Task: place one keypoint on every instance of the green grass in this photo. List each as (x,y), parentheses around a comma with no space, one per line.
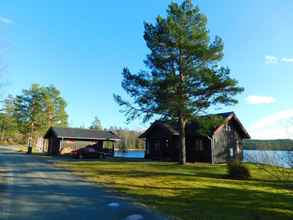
(197,191)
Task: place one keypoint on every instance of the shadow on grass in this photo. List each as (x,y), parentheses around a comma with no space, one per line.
(164,169)
(217,203)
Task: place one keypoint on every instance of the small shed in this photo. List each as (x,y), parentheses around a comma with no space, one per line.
(58,137)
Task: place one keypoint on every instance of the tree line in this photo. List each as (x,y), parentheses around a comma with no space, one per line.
(30,114)
(129,138)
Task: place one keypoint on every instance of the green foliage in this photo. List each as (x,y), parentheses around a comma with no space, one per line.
(39,108)
(96,124)
(129,139)
(184,77)
(54,107)
(8,125)
(238,171)
(207,124)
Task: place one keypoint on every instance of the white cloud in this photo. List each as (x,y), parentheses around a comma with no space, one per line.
(271,59)
(257,100)
(5,20)
(275,60)
(287,60)
(275,126)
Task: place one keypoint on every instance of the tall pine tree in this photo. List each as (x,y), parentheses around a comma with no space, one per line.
(39,108)
(184,77)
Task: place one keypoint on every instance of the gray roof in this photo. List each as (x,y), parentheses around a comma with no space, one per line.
(79,133)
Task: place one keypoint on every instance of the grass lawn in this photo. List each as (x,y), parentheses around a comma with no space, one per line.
(197,191)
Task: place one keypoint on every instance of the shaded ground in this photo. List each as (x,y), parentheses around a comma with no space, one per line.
(197,191)
(31,188)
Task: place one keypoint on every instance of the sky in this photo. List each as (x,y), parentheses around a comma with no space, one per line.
(81,47)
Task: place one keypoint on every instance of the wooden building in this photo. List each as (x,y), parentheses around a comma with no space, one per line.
(60,139)
(222,142)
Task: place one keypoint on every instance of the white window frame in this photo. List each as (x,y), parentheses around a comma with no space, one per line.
(231,152)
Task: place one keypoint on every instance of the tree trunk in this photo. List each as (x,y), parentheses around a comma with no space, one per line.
(2,132)
(2,135)
(182,102)
(182,145)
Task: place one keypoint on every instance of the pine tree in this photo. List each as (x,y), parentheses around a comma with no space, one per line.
(184,77)
(8,126)
(96,124)
(39,108)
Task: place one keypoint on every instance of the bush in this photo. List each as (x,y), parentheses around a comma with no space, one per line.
(236,170)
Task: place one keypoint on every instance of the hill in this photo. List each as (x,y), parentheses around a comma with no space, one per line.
(278,144)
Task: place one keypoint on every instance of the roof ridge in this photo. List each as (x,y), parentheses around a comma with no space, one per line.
(87,129)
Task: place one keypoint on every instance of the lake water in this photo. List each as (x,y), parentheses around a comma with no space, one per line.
(129,154)
(280,158)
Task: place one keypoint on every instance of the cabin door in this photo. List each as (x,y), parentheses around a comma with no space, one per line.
(155,148)
(159,149)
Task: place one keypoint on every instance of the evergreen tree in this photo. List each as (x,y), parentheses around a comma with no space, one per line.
(8,126)
(54,107)
(28,111)
(39,108)
(96,124)
(184,77)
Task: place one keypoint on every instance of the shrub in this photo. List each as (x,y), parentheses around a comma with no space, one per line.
(236,170)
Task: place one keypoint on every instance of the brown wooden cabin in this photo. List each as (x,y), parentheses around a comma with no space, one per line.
(61,138)
(222,144)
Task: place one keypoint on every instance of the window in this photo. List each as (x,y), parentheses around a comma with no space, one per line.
(231,151)
(167,143)
(199,145)
(157,146)
(228,128)
(238,147)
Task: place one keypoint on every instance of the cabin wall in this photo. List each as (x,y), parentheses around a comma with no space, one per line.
(160,145)
(53,145)
(198,149)
(227,144)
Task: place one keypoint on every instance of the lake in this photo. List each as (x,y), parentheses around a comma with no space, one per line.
(271,157)
(129,154)
(279,158)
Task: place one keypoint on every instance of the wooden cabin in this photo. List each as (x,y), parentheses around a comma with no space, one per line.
(62,140)
(221,143)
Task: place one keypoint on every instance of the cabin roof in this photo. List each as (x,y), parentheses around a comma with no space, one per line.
(193,128)
(83,134)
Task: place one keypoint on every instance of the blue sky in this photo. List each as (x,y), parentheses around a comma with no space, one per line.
(82,46)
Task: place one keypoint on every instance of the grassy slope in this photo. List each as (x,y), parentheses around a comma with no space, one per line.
(198,191)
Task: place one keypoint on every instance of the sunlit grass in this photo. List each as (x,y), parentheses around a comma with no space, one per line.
(197,191)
